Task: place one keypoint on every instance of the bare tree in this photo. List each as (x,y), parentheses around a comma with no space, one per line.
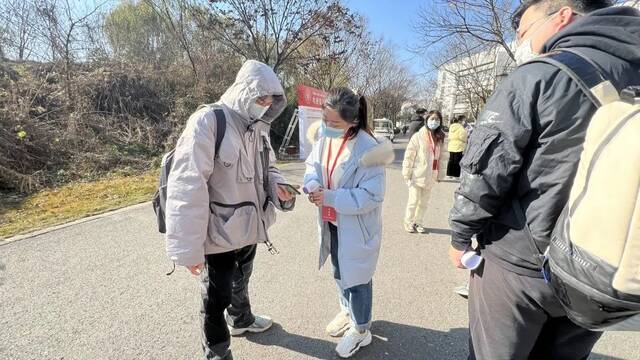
(273,31)
(377,73)
(325,64)
(468,75)
(487,23)
(176,15)
(62,24)
(20,27)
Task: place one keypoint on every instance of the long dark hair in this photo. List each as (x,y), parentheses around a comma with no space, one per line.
(437,133)
(352,109)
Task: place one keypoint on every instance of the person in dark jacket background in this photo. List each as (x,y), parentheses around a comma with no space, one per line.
(518,170)
(417,121)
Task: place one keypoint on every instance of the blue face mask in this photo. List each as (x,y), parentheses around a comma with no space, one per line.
(331,132)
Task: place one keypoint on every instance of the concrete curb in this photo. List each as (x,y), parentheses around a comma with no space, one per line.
(72,223)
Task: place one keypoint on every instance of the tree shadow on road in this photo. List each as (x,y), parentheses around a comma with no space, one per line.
(278,336)
(603,357)
(439,231)
(391,341)
(400,341)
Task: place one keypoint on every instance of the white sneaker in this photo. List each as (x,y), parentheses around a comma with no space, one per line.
(339,325)
(462,290)
(353,341)
(411,229)
(261,324)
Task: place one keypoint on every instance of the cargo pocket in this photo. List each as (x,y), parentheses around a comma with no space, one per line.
(233,225)
(481,141)
(246,168)
(228,155)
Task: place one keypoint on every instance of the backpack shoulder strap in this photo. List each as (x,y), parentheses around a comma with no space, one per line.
(586,75)
(221,123)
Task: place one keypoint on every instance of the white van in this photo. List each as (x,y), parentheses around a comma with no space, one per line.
(383,128)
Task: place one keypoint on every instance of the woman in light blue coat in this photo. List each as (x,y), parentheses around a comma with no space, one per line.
(345,178)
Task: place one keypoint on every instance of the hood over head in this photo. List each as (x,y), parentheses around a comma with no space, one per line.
(613,30)
(254,80)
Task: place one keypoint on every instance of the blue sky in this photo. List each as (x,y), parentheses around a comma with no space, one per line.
(393,19)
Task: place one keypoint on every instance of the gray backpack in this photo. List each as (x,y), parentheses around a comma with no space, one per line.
(160,197)
(593,261)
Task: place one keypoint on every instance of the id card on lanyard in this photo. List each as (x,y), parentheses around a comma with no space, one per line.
(328,212)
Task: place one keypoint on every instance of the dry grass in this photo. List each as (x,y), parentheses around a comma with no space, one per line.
(73,201)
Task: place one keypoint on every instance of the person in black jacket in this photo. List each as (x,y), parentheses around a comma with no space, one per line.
(417,121)
(518,170)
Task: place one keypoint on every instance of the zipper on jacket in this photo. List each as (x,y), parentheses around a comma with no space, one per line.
(270,247)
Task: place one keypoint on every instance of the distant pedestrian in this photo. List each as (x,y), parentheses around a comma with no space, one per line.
(417,121)
(457,144)
(420,170)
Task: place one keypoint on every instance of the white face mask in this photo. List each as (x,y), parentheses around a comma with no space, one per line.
(524,53)
(433,124)
(256,111)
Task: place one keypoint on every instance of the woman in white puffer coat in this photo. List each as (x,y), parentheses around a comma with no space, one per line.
(420,170)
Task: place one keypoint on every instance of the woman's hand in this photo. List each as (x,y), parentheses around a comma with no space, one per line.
(317,198)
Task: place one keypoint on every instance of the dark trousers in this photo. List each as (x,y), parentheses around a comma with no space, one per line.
(453,166)
(518,317)
(225,286)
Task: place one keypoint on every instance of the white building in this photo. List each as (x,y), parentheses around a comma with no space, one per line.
(464,84)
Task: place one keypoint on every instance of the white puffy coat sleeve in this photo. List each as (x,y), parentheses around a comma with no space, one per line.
(187,209)
(410,158)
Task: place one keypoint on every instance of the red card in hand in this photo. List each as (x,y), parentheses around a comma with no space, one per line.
(329,214)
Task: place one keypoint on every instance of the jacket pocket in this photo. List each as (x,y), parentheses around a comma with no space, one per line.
(233,225)
(478,154)
(363,228)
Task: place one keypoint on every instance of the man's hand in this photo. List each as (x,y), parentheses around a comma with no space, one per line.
(284,195)
(196,270)
(456,257)
(317,198)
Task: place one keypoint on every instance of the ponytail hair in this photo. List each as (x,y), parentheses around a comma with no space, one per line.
(352,109)
(363,120)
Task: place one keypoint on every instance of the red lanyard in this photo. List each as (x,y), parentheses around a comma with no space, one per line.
(432,143)
(335,161)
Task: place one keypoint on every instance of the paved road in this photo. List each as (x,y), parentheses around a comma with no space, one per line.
(98,290)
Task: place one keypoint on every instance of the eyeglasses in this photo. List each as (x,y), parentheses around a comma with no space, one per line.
(520,33)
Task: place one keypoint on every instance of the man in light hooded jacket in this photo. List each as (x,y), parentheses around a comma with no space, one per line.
(219,206)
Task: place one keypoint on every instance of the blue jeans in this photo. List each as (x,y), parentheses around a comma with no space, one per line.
(357,301)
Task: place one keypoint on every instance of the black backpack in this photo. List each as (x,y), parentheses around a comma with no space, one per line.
(160,197)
